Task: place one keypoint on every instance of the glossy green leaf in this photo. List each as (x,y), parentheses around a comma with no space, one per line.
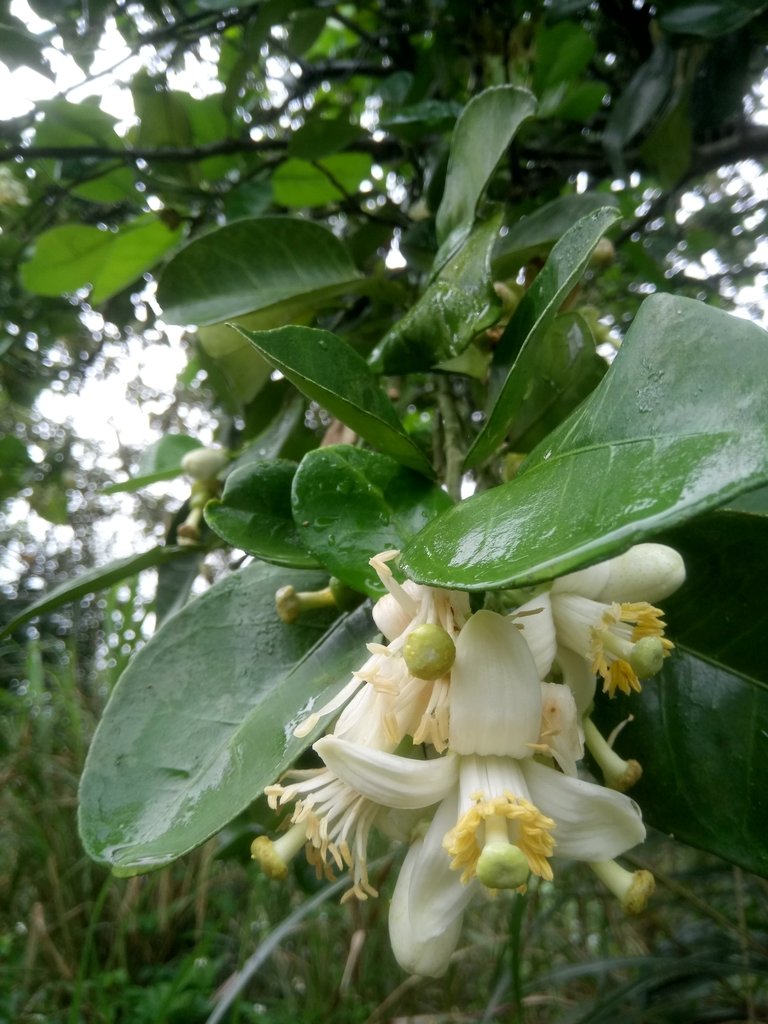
(349,504)
(201,720)
(517,353)
(485,128)
(252,265)
(161,460)
(298,183)
(92,581)
(535,233)
(677,426)
(254,513)
(700,729)
(75,255)
(327,370)
(458,304)
(565,368)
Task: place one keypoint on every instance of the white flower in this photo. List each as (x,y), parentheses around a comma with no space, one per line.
(603,615)
(501,814)
(417,707)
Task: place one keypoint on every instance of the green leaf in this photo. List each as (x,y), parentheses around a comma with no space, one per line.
(414,121)
(458,304)
(565,369)
(711,19)
(243,371)
(640,101)
(535,233)
(298,183)
(349,504)
(159,461)
(15,463)
(699,729)
(75,124)
(254,513)
(92,581)
(517,353)
(328,371)
(75,255)
(201,720)
(677,426)
(485,128)
(19,47)
(321,136)
(252,265)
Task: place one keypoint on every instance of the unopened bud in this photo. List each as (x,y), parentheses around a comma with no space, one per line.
(603,254)
(429,651)
(204,463)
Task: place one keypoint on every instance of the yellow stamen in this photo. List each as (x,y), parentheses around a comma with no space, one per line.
(622,626)
(529,831)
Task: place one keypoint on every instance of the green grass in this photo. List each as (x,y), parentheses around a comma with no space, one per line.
(77,945)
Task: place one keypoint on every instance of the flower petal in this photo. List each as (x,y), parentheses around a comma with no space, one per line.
(646,572)
(538,629)
(592,823)
(495,698)
(389,779)
(428,903)
(578,677)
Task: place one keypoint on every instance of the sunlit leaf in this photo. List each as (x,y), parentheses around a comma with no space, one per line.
(76,255)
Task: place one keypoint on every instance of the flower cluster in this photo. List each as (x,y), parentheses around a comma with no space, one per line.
(462,735)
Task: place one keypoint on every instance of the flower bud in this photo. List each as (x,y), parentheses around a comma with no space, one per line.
(429,651)
(204,463)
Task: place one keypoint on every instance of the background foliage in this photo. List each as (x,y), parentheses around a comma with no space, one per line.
(430,225)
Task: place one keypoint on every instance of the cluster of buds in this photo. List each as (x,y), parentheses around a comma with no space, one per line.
(462,734)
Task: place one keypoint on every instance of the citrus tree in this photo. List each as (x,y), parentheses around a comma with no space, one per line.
(454,282)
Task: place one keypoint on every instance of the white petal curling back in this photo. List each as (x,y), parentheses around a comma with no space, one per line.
(592,823)
(646,572)
(389,779)
(495,699)
(428,903)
